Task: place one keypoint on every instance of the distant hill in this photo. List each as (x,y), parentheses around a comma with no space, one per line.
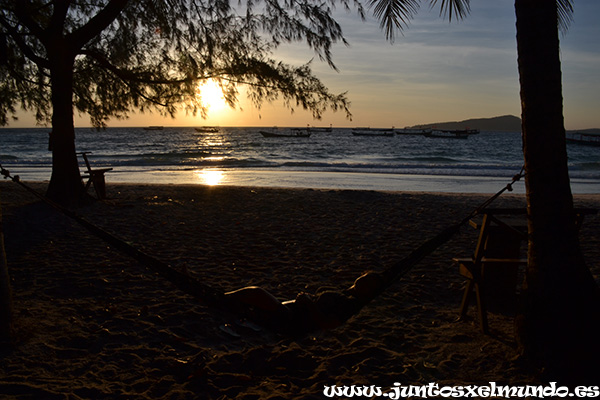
(505,123)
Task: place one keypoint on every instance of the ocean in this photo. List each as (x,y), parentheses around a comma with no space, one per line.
(482,163)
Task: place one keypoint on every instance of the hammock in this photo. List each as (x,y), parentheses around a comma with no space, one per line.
(216,299)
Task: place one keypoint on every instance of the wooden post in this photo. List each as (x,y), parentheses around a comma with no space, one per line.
(5,292)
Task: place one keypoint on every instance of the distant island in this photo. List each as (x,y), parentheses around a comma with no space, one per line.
(505,123)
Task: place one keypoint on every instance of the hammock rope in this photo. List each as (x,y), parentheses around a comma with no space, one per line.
(395,271)
(201,291)
(216,299)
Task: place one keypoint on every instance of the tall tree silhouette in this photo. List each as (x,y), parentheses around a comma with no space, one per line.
(108,57)
(558,325)
(5,293)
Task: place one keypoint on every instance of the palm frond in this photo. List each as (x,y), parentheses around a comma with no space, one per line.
(394,14)
(455,8)
(565,14)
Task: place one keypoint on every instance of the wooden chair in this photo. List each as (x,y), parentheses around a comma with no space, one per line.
(493,269)
(94,176)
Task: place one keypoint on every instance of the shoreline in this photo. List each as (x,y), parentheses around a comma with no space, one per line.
(266,178)
(94,323)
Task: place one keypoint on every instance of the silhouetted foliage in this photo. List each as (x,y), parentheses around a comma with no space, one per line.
(145,55)
(106,58)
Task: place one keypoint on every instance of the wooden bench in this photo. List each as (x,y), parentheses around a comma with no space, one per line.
(492,271)
(94,176)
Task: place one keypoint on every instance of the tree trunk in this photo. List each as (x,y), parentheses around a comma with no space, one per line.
(65,185)
(557,327)
(5,293)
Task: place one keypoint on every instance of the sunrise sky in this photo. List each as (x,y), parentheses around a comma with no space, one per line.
(435,71)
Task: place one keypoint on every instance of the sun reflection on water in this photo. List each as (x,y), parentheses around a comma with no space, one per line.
(214,158)
(210,177)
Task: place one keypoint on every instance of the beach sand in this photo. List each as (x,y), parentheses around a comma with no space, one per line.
(94,323)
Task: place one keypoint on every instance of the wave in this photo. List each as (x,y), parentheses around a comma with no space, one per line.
(166,162)
(433,159)
(594,165)
(380,168)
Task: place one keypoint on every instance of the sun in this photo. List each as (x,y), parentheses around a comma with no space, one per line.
(211,96)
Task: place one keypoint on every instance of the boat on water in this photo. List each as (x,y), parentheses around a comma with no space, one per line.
(451,133)
(296,132)
(465,131)
(373,132)
(411,131)
(589,139)
(321,128)
(154,128)
(207,129)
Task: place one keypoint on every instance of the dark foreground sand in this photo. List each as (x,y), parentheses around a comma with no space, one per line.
(93,323)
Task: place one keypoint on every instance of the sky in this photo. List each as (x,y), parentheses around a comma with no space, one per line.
(435,71)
